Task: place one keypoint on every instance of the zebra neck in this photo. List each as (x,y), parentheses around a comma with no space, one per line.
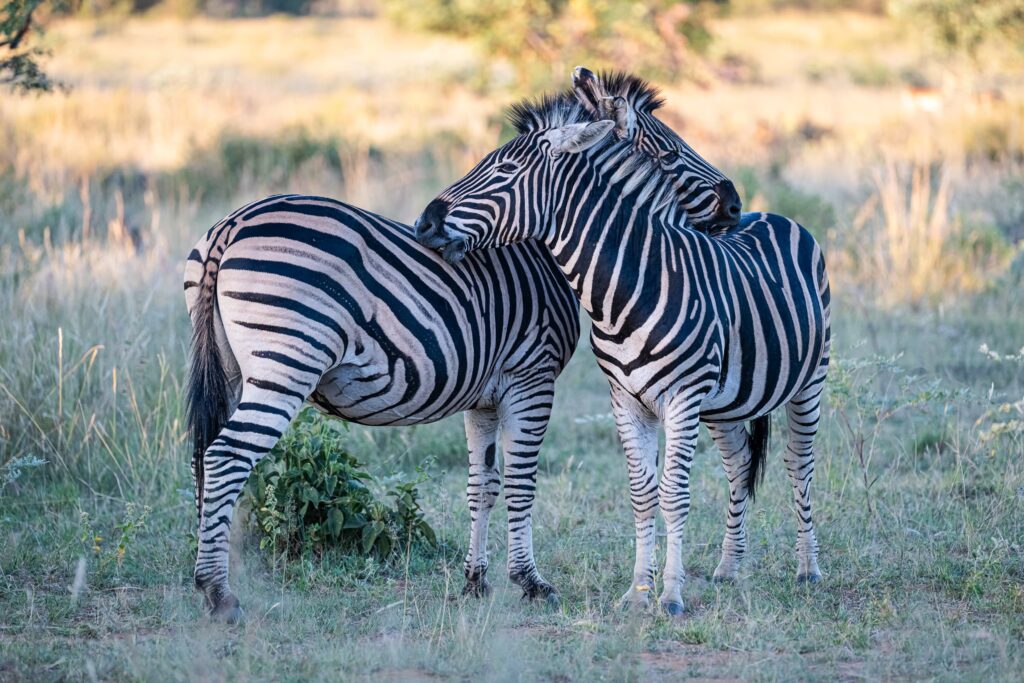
(612,248)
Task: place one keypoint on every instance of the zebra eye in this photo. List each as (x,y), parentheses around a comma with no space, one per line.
(669,158)
(507,167)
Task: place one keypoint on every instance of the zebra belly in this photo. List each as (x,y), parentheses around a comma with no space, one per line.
(370,389)
(746,395)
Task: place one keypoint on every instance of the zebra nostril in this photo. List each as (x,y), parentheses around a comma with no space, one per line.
(423,226)
(730,205)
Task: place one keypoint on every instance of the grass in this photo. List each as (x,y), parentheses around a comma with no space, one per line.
(919,491)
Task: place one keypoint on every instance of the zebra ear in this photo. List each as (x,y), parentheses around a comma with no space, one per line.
(591,93)
(578,137)
(589,90)
(618,110)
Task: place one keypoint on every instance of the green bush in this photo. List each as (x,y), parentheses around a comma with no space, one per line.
(309,494)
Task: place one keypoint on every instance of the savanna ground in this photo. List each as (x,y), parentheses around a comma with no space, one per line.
(916,194)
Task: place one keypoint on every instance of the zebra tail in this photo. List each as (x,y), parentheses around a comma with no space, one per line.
(208,394)
(760,435)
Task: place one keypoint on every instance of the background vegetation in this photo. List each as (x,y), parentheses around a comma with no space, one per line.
(899,146)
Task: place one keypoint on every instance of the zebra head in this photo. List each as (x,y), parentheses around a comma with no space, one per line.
(506,198)
(710,199)
(519,191)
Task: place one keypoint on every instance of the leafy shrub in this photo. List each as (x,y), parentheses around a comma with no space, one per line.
(309,493)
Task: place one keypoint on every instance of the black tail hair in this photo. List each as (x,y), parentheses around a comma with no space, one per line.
(760,435)
(208,392)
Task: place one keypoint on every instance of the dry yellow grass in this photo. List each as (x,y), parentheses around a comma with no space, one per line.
(149,95)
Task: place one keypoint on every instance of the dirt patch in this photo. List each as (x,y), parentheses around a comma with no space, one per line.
(403,676)
(694,662)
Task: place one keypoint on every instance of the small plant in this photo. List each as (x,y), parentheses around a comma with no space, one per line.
(310,494)
(127,531)
(13,468)
(866,394)
(1004,422)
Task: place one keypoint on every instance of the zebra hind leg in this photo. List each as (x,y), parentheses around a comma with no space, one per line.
(257,423)
(524,422)
(803,413)
(734,445)
(481,494)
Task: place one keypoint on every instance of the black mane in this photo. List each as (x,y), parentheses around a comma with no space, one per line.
(644,97)
(558,109)
(550,110)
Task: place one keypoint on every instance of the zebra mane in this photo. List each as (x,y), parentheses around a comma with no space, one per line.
(547,111)
(641,94)
(552,110)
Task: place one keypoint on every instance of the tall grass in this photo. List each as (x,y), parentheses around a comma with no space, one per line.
(912,245)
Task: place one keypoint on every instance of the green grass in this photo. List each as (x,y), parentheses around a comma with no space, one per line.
(928,587)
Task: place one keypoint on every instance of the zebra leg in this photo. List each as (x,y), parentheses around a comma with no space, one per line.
(525,414)
(481,493)
(803,413)
(682,424)
(638,431)
(734,445)
(252,430)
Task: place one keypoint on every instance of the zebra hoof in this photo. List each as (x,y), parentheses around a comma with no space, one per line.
(545,592)
(635,600)
(808,578)
(723,579)
(228,611)
(477,588)
(673,609)
(534,587)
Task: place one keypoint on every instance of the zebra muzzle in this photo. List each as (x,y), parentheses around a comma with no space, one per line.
(430,232)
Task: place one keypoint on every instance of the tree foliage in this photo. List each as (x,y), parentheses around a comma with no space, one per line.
(542,39)
(965,25)
(19,58)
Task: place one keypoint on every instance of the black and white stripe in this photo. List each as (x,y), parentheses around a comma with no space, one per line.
(687,327)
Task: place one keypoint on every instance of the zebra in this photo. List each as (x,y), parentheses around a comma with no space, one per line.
(687,328)
(296,298)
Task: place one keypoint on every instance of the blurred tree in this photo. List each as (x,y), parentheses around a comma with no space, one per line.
(543,39)
(19,58)
(965,25)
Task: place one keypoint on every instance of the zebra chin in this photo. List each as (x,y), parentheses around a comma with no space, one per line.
(433,234)
(451,249)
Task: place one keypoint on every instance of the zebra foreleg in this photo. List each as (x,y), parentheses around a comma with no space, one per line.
(734,445)
(481,493)
(638,431)
(682,424)
(252,430)
(803,413)
(524,422)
